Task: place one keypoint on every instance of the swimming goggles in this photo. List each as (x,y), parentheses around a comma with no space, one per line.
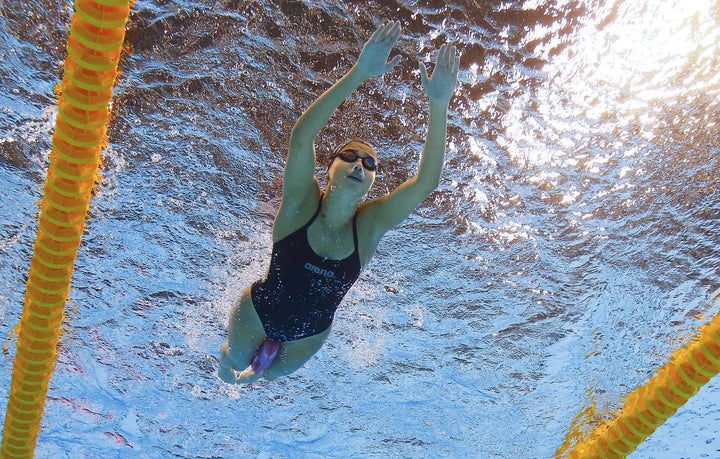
(350,156)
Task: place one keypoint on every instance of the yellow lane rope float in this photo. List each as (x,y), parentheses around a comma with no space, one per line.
(646,408)
(97,32)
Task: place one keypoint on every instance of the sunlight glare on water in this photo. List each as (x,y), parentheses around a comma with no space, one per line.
(625,56)
(647,45)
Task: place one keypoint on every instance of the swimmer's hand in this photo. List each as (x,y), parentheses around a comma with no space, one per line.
(373,60)
(440,86)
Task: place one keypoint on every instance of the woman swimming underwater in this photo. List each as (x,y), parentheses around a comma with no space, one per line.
(323,239)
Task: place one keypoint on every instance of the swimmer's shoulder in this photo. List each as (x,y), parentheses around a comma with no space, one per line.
(368,231)
(295,211)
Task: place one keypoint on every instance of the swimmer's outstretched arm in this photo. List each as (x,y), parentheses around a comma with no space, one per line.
(373,62)
(390,210)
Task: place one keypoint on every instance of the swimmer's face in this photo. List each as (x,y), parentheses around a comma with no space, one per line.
(354,166)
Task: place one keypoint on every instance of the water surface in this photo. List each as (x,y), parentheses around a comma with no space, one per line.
(571,247)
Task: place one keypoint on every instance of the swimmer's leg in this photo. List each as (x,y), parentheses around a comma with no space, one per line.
(261,360)
(245,334)
(294,354)
(290,358)
(227,370)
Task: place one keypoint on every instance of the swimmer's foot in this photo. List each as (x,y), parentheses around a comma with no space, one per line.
(265,355)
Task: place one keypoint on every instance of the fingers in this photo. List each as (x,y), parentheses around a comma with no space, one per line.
(447,61)
(423,74)
(387,33)
(378,33)
(442,55)
(395,61)
(448,58)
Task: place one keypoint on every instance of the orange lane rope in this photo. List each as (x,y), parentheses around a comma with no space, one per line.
(97,32)
(646,408)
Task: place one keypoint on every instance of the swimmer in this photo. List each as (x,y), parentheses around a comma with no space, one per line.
(322,239)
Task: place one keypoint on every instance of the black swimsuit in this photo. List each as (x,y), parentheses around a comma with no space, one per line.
(302,290)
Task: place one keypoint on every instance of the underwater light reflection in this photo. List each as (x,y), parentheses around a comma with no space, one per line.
(628,58)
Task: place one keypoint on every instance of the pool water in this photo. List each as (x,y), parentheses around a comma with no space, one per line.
(569,250)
